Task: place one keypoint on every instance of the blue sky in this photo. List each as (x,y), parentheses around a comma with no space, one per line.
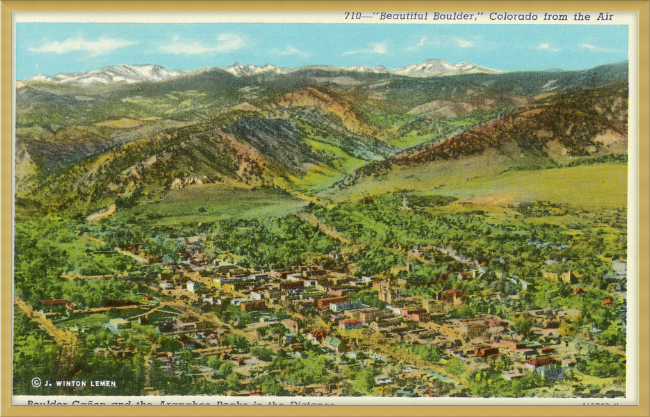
(51,48)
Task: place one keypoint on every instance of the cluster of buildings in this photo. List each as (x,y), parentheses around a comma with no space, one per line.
(328,293)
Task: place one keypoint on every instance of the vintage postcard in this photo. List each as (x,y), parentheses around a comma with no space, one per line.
(325,208)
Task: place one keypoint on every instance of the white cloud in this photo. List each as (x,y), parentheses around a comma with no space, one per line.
(290,50)
(465,43)
(547,47)
(229,42)
(175,38)
(99,47)
(225,42)
(424,41)
(379,48)
(373,48)
(598,49)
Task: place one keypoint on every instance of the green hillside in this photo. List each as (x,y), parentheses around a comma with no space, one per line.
(314,133)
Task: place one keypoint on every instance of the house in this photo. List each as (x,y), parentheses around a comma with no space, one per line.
(292,287)
(607,302)
(324,303)
(350,324)
(538,362)
(193,286)
(334,343)
(338,307)
(420,316)
(207,299)
(338,291)
(567,363)
(187,342)
(253,306)
(317,335)
(578,291)
(553,372)
(370,315)
(166,285)
(486,351)
(292,325)
(383,379)
(511,375)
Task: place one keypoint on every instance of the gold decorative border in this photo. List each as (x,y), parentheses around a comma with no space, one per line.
(6,180)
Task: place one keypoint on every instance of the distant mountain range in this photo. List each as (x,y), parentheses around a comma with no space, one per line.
(316,132)
(137,73)
(114,74)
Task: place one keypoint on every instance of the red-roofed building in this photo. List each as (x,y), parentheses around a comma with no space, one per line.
(607,302)
(539,361)
(253,306)
(578,291)
(317,335)
(324,303)
(485,351)
(350,324)
(58,302)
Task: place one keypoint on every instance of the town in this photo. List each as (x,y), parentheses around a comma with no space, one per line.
(323,328)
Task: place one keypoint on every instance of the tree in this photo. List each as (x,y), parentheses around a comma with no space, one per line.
(233,381)
(364,382)
(524,324)
(455,366)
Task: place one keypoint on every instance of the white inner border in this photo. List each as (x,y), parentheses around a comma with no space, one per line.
(621,18)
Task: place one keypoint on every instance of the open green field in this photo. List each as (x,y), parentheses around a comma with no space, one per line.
(323,176)
(211,202)
(597,186)
(90,320)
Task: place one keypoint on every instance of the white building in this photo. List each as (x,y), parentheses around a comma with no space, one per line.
(192,286)
(338,307)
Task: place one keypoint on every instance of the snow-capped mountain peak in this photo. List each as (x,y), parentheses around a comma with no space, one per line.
(439,67)
(240,70)
(118,73)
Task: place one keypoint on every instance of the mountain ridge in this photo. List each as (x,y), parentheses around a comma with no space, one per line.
(153,72)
